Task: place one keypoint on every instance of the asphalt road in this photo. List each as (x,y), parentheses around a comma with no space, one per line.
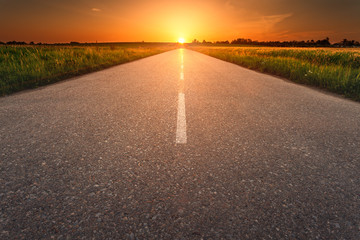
(154,150)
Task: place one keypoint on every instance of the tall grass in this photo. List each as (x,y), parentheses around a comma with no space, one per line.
(336,70)
(23,67)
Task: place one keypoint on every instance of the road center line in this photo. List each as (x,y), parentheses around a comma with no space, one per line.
(181,120)
(181,137)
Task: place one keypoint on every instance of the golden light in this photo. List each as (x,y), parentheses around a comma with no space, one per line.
(181,40)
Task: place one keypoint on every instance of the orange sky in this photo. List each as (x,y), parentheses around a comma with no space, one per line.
(167,20)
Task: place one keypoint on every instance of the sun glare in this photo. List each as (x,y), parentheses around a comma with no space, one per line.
(181,40)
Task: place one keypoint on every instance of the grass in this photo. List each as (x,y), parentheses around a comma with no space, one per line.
(24,67)
(337,70)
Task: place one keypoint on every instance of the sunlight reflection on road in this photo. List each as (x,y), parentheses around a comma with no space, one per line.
(181,137)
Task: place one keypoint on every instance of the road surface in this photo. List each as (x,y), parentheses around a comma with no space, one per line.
(179,146)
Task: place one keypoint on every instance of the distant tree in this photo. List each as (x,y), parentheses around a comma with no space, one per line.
(74,43)
(2,43)
(348,43)
(205,42)
(15,43)
(241,41)
(222,42)
(324,42)
(345,42)
(195,41)
(309,43)
(32,43)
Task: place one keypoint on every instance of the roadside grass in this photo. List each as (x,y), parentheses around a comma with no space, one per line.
(337,70)
(24,67)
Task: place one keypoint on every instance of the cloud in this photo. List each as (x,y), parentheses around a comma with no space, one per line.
(270,21)
(229,5)
(264,23)
(96,10)
(261,27)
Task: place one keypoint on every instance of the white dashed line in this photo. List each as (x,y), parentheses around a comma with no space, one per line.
(181,121)
(181,137)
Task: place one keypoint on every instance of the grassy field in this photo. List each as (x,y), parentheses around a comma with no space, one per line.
(23,67)
(337,70)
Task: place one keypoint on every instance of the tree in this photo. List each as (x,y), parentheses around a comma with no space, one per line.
(222,42)
(15,43)
(205,42)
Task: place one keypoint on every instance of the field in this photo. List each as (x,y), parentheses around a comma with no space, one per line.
(23,67)
(337,70)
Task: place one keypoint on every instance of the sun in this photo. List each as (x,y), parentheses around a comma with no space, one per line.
(181,40)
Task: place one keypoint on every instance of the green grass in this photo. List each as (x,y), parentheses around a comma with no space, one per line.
(23,67)
(337,70)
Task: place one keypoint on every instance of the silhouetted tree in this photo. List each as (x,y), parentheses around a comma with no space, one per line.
(205,42)
(15,43)
(324,42)
(309,43)
(348,43)
(345,42)
(241,41)
(222,42)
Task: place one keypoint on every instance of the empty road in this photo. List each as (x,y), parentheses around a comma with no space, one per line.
(179,146)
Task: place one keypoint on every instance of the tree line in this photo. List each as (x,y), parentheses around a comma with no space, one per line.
(309,43)
(32,43)
(242,41)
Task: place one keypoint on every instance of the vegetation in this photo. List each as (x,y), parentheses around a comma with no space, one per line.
(337,70)
(23,67)
(309,43)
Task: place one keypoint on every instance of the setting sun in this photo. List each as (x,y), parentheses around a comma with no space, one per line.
(181,40)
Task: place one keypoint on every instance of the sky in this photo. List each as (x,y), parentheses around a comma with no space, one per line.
(55,21)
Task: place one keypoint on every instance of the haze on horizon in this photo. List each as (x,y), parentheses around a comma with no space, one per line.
(167,21)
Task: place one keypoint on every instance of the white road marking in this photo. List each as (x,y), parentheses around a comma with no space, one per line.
(181,137)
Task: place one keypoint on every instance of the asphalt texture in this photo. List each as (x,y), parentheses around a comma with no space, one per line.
(95,157)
